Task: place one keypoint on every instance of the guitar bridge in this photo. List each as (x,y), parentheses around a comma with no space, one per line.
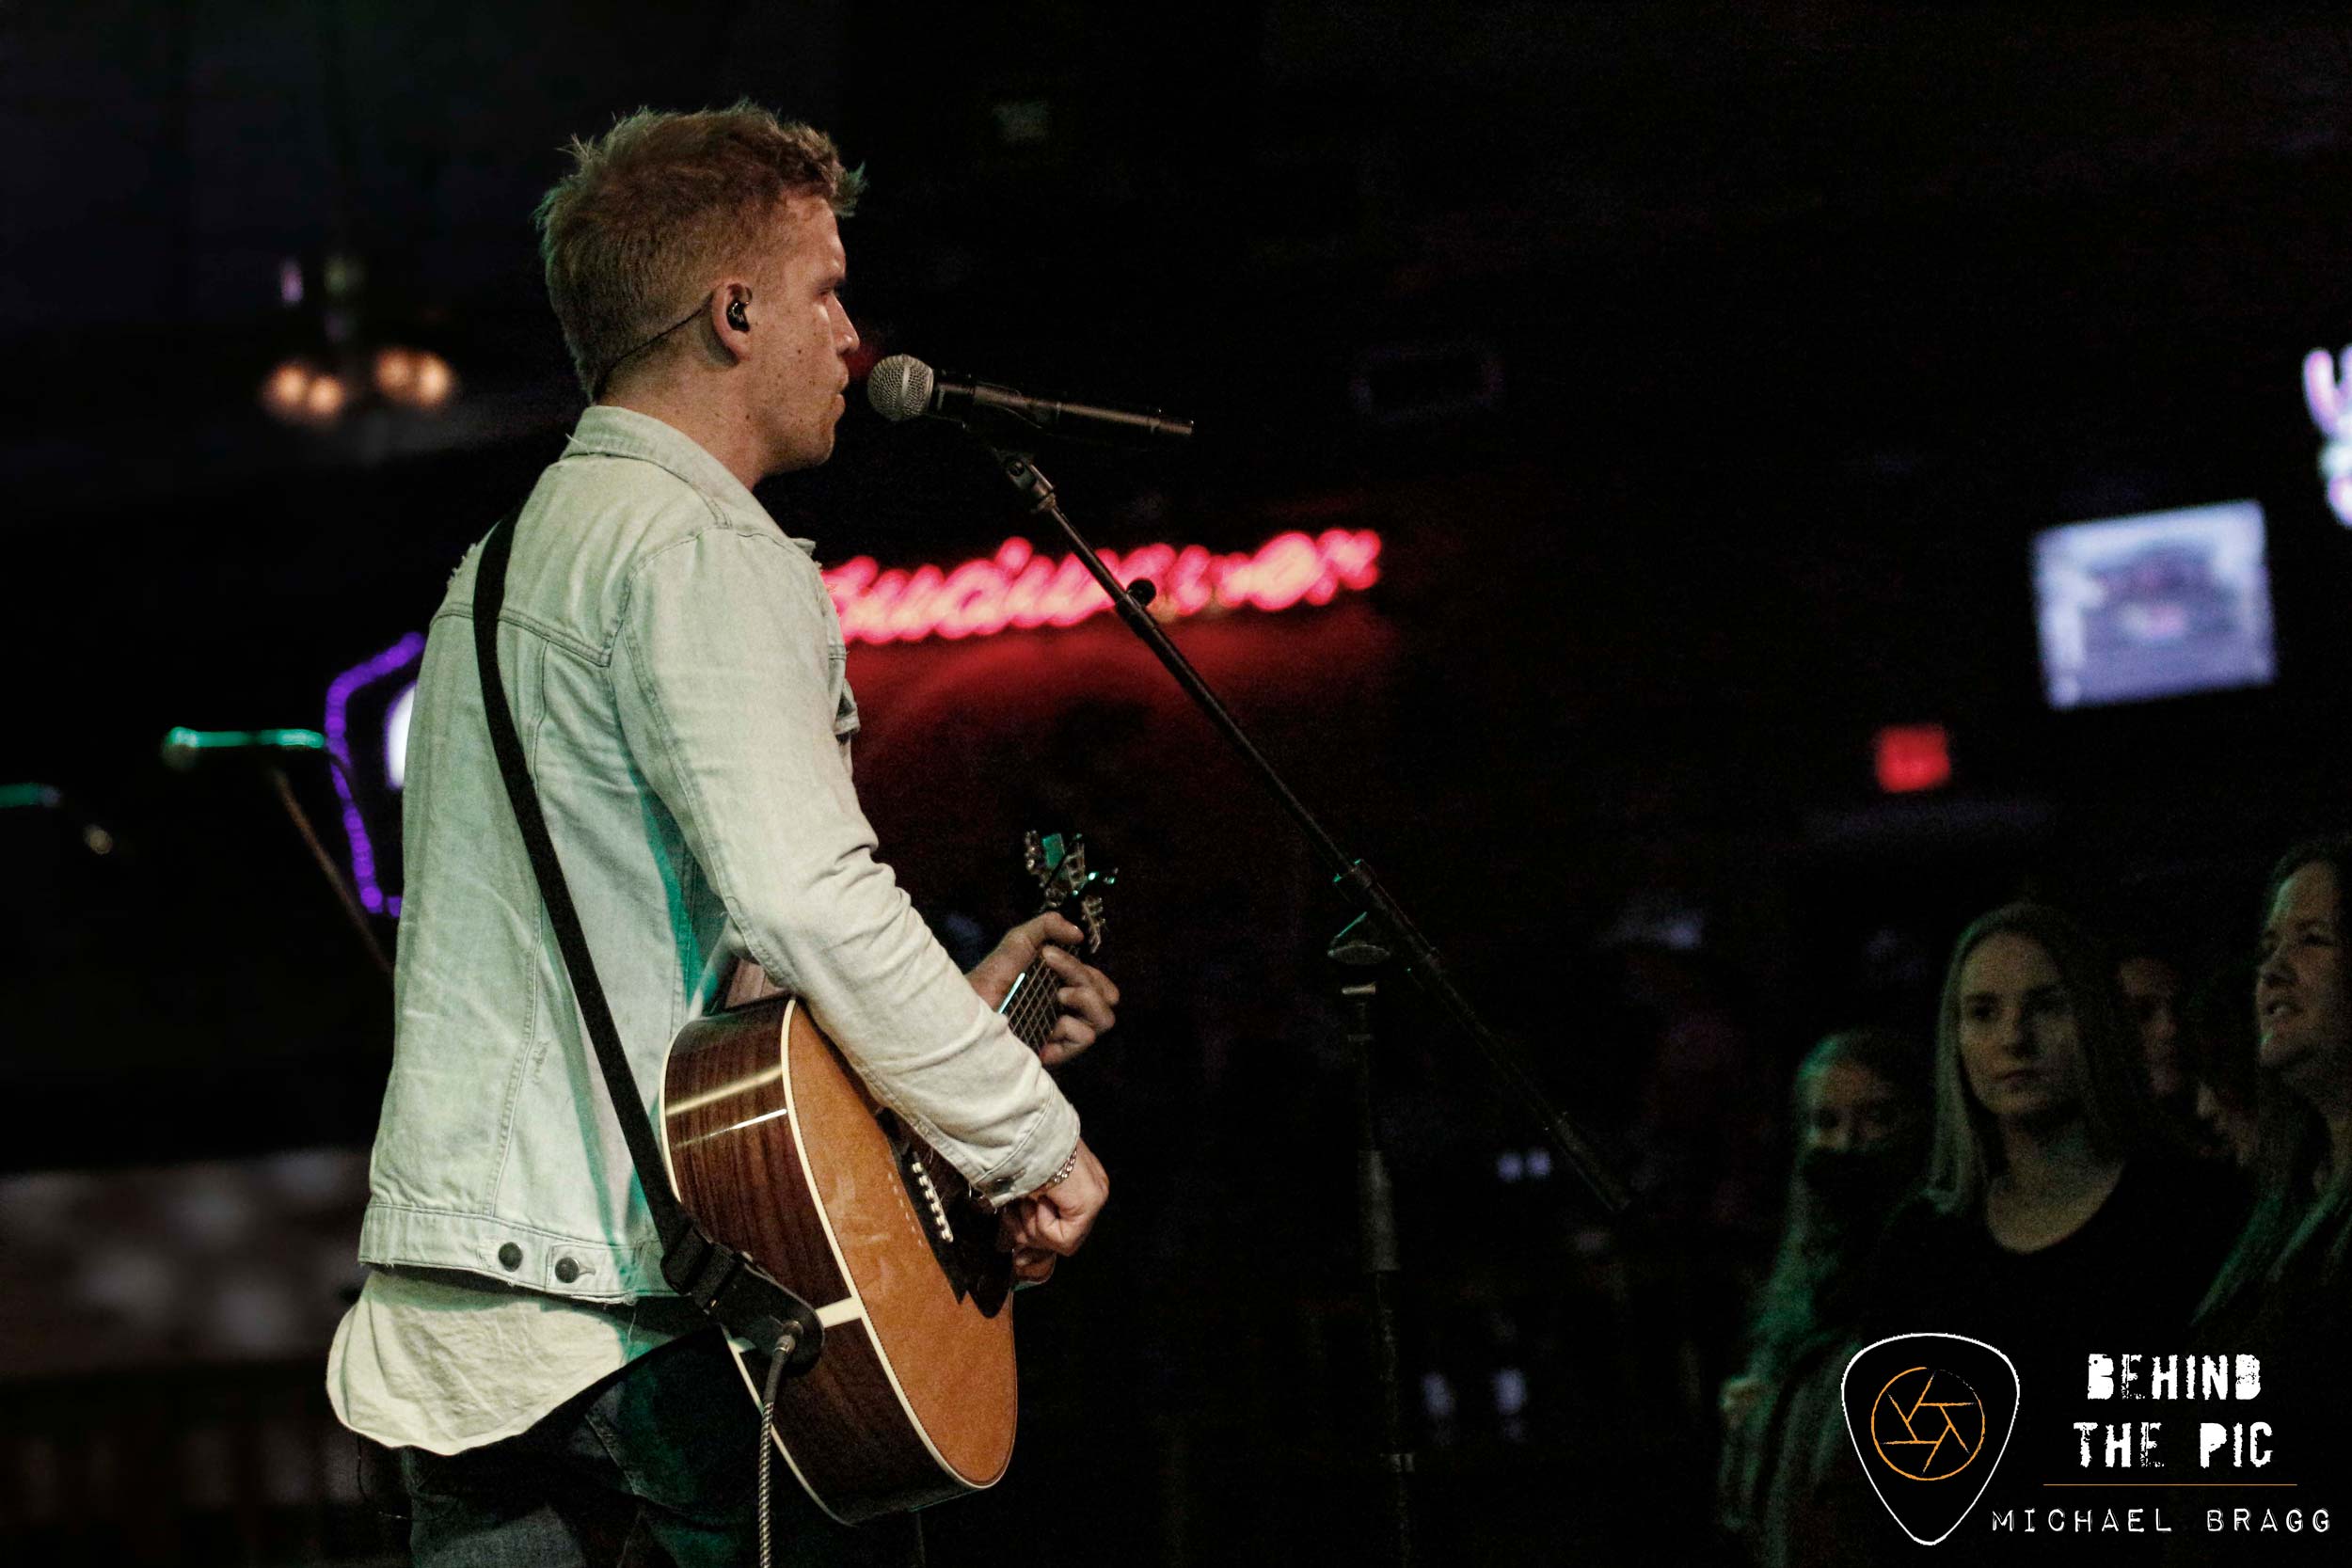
(927,1191)
(969,1262)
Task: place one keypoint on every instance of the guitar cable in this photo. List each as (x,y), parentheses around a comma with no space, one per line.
(782,1353)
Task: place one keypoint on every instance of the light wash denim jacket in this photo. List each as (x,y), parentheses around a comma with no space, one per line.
(677,674)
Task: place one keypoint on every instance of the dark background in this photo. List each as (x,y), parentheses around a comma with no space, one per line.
(1789,324)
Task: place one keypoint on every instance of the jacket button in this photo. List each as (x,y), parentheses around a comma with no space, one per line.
(566,1270)
(510,1255)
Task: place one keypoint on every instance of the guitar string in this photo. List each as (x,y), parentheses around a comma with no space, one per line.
(1023,1011)
(1047,1007)
(1029,1012)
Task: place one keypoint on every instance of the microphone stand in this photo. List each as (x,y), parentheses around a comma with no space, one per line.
(1382,932)
(182,745)
(328,867)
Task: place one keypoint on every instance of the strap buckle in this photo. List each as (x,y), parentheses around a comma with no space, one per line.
(740,1296)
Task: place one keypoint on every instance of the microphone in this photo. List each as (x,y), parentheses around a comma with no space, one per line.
(902,387)
(184,747)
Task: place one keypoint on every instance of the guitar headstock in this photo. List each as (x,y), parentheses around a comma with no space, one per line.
(1059,864)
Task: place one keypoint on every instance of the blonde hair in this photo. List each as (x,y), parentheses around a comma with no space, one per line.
(1965,1153)
(657,206)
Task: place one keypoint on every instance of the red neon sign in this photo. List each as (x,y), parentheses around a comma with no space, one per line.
(1018,588)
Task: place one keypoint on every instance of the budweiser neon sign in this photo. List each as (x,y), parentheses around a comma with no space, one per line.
(1019,588)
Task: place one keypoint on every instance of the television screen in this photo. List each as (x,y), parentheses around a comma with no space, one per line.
(2155,605)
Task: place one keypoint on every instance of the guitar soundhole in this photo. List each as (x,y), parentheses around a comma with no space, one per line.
(960,1230)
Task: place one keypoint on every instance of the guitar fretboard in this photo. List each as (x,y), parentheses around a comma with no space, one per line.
(1030,1006)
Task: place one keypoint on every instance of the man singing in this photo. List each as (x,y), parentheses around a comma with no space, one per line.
(676,671)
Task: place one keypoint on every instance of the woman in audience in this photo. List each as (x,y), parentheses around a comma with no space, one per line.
(2285,1292)
(1860,1108)
(2053,1223)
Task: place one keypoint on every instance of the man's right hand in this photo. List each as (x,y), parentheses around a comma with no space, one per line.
(1051,1223)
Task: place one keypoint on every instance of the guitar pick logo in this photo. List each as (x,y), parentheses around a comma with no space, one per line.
(1929,1416)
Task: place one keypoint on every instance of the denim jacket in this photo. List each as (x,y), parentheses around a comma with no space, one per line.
(677,672)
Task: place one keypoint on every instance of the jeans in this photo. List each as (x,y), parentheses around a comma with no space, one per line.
(653,1466)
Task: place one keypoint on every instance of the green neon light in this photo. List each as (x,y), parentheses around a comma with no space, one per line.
(15,795)
(300,740)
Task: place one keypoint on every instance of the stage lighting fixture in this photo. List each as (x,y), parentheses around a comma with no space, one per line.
(322,400)
(283,392)
(395,371)
(347,370)
(433,381)
(413,377)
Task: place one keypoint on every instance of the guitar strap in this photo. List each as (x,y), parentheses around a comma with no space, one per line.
(740,1296)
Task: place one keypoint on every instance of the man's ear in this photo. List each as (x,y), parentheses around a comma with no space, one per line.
(731,320)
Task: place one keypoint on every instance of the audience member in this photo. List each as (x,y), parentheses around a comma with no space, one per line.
(1860,1108)
(2219,1055)
(2153,992)
(2284,1291)
(2053,1223)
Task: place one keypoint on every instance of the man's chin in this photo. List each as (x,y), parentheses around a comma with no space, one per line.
(809,454)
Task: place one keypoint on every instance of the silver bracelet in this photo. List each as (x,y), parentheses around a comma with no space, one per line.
(1068,1167)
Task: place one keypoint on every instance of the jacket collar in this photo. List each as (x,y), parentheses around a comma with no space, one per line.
(606,431)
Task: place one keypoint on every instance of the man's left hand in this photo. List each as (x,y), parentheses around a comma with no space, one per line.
(1086,997)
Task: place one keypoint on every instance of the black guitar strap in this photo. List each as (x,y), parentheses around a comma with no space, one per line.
(744,1299)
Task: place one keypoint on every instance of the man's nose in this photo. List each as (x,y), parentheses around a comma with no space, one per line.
(846,340)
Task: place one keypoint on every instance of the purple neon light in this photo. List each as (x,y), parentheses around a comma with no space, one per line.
(2329,394)
(390,661)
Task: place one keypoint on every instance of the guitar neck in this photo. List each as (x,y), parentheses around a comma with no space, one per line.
(1030,1006)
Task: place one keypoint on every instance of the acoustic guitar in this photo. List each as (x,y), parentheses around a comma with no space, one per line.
(774,1142)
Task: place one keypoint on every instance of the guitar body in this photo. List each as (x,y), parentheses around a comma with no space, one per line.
(775,1144)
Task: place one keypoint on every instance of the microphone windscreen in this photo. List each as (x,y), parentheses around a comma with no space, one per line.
(899,388)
